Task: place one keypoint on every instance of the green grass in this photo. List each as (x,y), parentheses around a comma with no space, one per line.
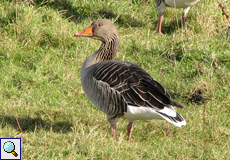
(40,63)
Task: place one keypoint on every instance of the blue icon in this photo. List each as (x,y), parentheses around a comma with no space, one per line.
(9,147)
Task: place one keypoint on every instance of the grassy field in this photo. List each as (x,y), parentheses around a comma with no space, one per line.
(40,63)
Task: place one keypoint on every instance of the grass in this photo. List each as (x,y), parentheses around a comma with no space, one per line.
(40,63)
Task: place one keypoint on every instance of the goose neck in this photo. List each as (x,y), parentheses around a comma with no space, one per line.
(108,49)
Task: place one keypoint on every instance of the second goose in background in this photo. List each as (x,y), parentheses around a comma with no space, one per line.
(162,4)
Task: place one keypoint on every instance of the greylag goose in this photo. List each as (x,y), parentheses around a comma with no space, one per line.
(162,4)
(120,88)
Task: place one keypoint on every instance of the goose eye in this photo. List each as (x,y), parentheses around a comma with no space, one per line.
(99,25)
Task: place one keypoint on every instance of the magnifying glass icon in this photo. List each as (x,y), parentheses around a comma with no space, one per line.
(9,147)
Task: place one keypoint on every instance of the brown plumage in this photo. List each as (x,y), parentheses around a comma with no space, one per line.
(122,89)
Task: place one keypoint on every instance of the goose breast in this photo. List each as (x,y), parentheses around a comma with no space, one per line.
(180,3)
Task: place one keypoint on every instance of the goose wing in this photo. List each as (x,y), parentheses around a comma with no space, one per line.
(133,83)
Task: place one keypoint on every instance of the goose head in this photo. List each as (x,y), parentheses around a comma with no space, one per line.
(102,29)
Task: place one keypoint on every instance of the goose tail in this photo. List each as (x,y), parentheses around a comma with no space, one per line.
(176,120)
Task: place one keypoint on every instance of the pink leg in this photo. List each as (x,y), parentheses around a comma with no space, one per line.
(184,17)
(130,129)
(113,130)
(160,19)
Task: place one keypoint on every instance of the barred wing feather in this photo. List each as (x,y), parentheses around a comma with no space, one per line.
(136,86)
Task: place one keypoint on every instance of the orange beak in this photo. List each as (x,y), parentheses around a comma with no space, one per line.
(85,33)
